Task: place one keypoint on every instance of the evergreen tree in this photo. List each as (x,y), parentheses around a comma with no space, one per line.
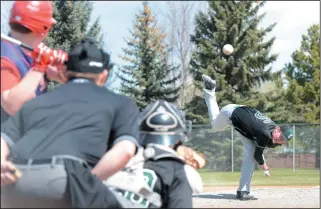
(240,74)
(148,76)
(73,18)
(303,78)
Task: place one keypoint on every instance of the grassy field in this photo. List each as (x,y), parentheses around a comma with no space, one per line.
(279,177)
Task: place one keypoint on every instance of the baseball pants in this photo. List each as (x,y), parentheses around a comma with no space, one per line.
(221,120)
(42,185)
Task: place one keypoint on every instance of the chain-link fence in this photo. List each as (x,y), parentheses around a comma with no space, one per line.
(224,149)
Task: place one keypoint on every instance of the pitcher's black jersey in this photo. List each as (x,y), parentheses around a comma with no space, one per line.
(254,125)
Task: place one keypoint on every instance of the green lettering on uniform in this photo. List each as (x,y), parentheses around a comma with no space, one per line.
(262,117)
(150,178)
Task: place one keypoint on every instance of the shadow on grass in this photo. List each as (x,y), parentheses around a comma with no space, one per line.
(220,196)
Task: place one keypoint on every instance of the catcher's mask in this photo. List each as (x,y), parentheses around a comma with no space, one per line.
(162,123)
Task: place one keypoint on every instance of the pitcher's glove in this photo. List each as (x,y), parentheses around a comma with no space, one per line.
(194,159)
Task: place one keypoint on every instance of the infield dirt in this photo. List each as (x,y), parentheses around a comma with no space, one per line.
(267,197)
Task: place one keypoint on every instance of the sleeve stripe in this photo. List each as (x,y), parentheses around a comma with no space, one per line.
(7,139)
(126,137)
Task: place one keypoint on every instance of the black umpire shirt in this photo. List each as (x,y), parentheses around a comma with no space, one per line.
(255,126)
(79,119)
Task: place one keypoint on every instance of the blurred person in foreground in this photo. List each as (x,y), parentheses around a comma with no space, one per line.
(24,74)
(258,133)
(162,174)
(80,126)
(164,171)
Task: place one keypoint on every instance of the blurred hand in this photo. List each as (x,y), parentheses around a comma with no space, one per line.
(41,56)
(264,167)
(58,58)
(55,74)
(44,56)
(9,174)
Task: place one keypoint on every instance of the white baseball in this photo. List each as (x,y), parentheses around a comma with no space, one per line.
(228,49)
(267,173)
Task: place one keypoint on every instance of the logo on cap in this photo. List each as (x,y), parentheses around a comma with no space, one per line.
(18,18)
(95,64)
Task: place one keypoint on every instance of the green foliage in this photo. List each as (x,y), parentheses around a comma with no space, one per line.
(272,103)
(303,78)
(148,76)
(73,18)
(238,75)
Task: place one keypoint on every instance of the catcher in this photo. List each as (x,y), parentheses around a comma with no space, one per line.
(163,172)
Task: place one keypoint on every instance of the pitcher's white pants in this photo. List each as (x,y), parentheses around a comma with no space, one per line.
(220,120)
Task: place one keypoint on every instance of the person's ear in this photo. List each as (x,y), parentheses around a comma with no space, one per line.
(102,78)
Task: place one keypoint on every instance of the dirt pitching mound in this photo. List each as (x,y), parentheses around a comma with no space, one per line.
(269,197)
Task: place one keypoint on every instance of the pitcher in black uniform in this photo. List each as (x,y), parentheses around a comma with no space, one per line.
(169,179)
(258,131)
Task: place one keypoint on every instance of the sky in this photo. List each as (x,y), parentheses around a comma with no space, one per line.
(293,18)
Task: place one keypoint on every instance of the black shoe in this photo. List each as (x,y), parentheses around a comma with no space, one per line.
(209,83)
(243,195)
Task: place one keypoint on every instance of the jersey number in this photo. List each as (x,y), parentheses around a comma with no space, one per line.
(150,178)
(262,117)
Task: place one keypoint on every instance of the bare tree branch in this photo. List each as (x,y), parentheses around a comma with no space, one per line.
(179,18)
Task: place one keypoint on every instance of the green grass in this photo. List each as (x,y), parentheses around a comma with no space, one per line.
(279,177)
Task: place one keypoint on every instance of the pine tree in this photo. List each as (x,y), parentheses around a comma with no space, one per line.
(303,78)
(148,76)
(73,18)
(240,74)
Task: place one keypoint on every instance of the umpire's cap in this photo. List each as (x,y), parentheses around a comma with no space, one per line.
(87,57)
(162,123)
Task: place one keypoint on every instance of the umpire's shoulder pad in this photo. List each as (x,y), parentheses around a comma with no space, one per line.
(158,152)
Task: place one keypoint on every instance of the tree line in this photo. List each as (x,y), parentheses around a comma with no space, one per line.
(165,60)
(151,73)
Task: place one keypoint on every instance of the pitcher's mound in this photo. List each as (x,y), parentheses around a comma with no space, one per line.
(266,198)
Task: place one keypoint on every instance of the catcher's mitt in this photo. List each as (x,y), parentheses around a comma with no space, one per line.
(197,160)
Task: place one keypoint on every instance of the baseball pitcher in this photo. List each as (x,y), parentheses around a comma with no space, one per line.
(258,131)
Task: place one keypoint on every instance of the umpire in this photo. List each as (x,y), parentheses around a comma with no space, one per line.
(80,121)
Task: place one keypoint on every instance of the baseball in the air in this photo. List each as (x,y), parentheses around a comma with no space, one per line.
(228,49)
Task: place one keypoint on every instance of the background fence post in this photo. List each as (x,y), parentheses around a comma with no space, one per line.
(293,147)
(232,149)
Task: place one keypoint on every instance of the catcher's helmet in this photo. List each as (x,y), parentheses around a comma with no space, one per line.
(162,123)
(34,15)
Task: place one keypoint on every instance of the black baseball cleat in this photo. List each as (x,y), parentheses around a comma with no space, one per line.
(243,195)
(209,83)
